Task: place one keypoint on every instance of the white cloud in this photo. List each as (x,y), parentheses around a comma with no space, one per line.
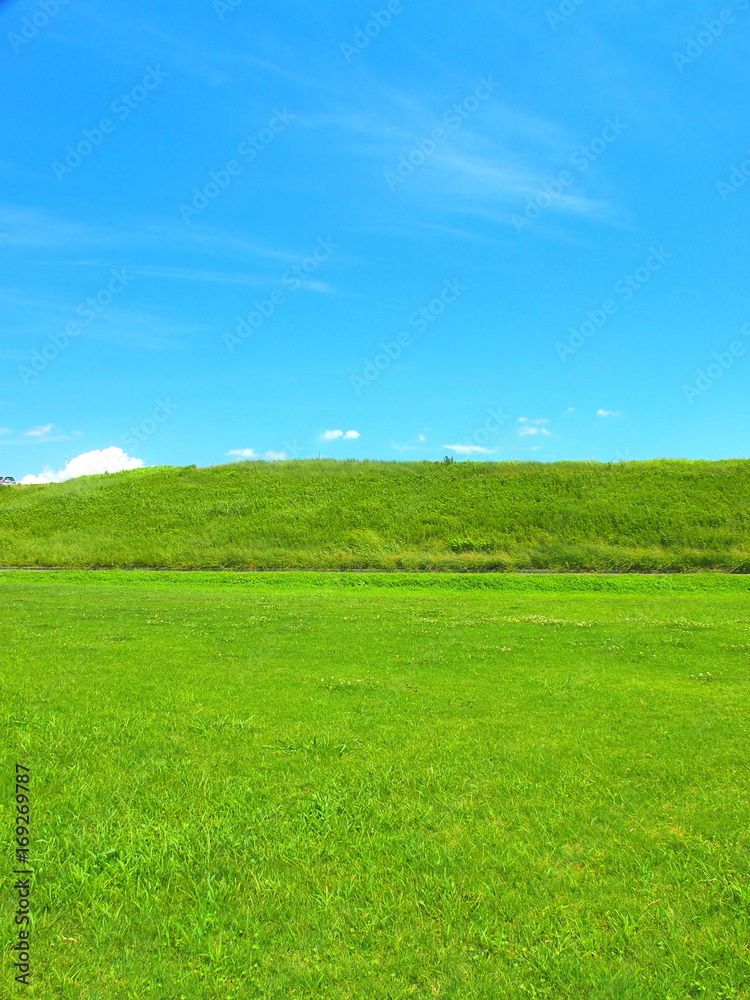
(527,430)
(607,413)
(525,420)
(243,453)
(470,449)
(340,435)
(40,431)
(421,438)
(276,456)
(91,463)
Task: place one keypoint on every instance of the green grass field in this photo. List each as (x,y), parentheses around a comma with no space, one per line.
(665,516)
(264,786)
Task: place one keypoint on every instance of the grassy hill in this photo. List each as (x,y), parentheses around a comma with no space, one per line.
(665,515)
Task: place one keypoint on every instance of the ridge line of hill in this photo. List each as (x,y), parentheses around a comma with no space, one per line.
(663,516)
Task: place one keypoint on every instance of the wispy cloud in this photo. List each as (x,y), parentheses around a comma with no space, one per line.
(143,330)
(197,274)
(608,413)
(474,172)
(29,227)
(474,184)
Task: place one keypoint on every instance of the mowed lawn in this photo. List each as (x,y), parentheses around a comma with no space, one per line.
(324,786)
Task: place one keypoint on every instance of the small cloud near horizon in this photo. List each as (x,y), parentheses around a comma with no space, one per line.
(245,454)
(608,413)
(340,435)
(526,430)
(470,449)
(416,444)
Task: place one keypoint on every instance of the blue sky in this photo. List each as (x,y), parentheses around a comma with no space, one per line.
(389,231)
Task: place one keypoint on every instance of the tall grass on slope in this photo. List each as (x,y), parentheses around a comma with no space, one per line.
(659,516)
